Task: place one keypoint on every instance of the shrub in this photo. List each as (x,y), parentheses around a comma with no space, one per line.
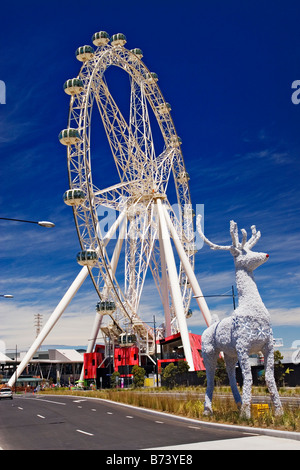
(114,378)
(169,375)
(138,376)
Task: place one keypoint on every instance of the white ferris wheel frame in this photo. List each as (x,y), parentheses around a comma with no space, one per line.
(140,200)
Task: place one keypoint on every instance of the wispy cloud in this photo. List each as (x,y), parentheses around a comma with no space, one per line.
(74,326)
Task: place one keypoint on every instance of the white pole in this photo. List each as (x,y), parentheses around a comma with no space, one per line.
(164,286)
(188,270)
(50,323)
(174,286)
(114,263)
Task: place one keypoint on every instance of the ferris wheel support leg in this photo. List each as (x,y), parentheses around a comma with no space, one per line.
(114,263)
(165,292)
(188,270)
(77,283)
(174,286)
(92,341)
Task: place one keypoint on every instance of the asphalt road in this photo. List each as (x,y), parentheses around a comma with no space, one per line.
(32,422)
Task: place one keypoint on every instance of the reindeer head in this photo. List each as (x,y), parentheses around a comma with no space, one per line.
(244,258)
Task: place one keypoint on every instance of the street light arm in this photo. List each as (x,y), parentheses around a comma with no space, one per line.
(43,223)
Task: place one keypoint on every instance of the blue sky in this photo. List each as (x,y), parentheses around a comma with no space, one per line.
(227,69)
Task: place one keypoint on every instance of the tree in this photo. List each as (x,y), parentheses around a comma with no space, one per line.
(182,367)
(169,375)
(278,367)
(114,378)
(278,370)
(201,374)
(221,376)
(182,373)
(138,376)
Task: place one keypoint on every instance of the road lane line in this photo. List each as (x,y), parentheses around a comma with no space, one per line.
(20,408)
(84,432)
(43,399)
(41,416)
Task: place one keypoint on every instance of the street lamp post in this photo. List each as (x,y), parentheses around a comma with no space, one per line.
(155,348)
(16,367)
(42,223)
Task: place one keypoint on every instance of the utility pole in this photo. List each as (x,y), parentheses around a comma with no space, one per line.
(38,320)
(156,363)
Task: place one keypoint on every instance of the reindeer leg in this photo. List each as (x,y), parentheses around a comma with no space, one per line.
(210,361)
(268,353)
(230,367)
(244,361)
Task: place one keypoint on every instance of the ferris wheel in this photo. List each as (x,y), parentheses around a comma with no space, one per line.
(138,195)
(145,151)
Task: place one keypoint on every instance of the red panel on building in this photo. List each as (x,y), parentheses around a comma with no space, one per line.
(172,350)
(124,360)
(196,346)
(91,362)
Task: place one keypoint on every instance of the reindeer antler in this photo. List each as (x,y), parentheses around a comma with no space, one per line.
(213,246)
(236,246)
(254,238)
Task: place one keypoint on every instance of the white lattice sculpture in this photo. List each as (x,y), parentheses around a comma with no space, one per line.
(246,331)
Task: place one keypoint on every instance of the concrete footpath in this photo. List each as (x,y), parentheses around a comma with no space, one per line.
(259,442)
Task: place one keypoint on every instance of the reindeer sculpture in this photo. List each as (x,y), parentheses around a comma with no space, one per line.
(247,331)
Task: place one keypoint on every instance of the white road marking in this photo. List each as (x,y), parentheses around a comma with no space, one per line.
(41,416)
(159,422)
(131,417)
(109,413)
(49,401)
(84,432)
(93,409)
(194,427)
(20,408)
